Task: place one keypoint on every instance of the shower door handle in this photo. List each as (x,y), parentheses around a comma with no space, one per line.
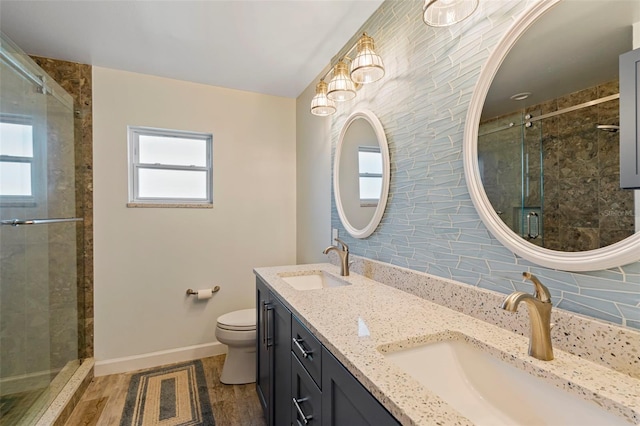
(531,235)
(20,222)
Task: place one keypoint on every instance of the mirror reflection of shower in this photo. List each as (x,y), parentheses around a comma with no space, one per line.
(551,171)
(611,128)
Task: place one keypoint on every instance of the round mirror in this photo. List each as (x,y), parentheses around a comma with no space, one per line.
(361,173)
(541,151)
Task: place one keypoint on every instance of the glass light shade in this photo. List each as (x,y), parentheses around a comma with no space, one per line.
(320,104)
(341,87)
(367,66)
(442,13)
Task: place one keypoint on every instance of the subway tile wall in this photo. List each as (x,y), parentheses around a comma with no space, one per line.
(430,223)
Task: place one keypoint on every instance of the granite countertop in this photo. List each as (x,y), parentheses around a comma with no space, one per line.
(358,321)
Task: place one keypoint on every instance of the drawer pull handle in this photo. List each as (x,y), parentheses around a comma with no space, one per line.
(305,353)
(305,418)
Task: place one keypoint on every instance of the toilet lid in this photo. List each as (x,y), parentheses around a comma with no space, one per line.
(244,319)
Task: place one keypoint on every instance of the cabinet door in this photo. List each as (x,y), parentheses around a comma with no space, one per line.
(280,341)
(263,359)
(345,402)
(630,120)
(306,398)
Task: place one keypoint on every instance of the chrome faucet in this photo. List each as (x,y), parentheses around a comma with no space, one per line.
(344,256)
(539,306)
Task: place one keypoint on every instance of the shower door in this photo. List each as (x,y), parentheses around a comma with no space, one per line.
(510,160)
(38,259)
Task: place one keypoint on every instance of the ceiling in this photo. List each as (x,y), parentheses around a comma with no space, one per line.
(264,46)
(278,47)
(573,46)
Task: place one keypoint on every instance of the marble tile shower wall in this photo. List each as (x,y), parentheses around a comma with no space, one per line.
(430,223)
(76,79)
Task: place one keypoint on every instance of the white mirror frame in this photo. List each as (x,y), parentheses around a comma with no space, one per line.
(384,150)
(618,254)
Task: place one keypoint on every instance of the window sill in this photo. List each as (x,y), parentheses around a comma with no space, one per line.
(171,205)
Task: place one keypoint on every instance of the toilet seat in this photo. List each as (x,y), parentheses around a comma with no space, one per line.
(242,320)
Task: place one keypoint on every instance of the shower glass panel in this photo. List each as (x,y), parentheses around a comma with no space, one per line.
(38,254)
(510,160)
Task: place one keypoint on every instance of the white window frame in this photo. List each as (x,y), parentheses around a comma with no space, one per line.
(368,202)
(134,133)
(22,200)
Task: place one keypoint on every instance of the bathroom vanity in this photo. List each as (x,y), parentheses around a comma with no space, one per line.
(327,346)
(298,379)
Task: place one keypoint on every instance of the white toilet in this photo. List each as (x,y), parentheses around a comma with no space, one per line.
(237,330)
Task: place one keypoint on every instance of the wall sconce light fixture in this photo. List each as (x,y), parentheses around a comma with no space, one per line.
(366,67)
(442,13)
(320,104)
(341,87)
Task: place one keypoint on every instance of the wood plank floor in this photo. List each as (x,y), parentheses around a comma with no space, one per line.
(233,405)
(16,407)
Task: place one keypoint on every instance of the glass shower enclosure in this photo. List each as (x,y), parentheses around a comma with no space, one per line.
(552,170)
(39,231)
(510,160)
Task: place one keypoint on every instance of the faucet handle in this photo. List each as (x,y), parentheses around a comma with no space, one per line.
(541,291)
(345,247)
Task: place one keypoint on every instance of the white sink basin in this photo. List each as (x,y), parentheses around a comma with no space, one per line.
(313,280)
(489,391)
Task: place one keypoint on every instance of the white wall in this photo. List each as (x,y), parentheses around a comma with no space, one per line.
(313,139)
(146,258)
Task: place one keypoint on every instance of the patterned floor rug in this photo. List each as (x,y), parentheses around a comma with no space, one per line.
(169,396)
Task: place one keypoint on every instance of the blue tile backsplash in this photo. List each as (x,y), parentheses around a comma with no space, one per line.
(430,223)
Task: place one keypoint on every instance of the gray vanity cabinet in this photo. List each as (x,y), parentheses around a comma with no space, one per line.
(630,120)
(273,356)
(299,382)
(345,402)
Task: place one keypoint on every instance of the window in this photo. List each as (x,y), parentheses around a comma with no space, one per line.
(16,159)
(370,171)
(170,167)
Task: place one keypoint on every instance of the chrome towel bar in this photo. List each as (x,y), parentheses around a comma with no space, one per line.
(19,222)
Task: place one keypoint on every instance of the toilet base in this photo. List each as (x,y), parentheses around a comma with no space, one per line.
(239,366)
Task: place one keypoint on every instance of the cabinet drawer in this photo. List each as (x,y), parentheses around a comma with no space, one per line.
(307,349)
(306,404)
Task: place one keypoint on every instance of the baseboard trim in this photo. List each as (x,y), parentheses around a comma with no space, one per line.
(26,382)
(155,359)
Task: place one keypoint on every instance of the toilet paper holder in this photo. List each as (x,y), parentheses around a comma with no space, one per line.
(191,291)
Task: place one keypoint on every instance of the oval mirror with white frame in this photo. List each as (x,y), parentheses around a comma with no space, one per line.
(498,123)
(361,173)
